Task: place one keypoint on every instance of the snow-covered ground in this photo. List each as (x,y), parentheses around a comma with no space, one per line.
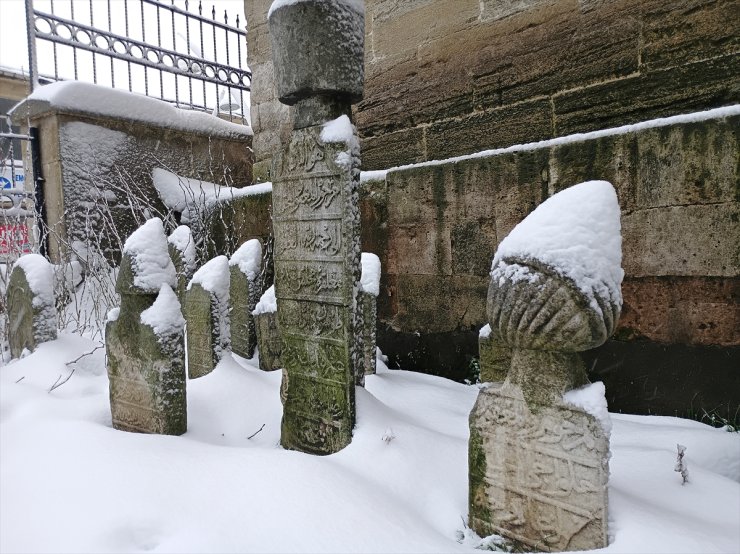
(69,482)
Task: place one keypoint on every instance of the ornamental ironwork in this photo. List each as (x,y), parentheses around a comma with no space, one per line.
(211,74)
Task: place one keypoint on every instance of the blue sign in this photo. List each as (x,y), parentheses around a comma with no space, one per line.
(6,184)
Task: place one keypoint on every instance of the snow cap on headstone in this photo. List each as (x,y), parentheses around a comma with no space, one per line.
(146,264)
(556,278)
(248,258)
(182,239)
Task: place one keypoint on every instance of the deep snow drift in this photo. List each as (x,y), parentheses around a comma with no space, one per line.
(69,482)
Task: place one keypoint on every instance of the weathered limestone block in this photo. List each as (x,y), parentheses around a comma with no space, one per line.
(539,444)
(244,292)
(317,50)
(32,314)
(145,339)
(494,356)
(206,309)
(181,246)
(369,290)
(269,343)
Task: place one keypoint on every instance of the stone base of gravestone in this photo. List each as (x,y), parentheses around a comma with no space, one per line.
(495,359)
(538,473)
(147,379)
(369,315)
(243,294)
(269,342)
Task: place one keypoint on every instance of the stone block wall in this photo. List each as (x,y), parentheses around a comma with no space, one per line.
(445,78)
(437,226)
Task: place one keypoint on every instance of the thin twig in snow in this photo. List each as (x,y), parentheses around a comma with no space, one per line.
(57,383)
(257,431)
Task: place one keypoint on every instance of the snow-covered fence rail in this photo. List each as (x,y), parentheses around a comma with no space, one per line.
(147,46)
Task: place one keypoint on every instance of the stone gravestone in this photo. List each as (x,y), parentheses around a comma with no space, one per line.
(206,309)
(369,290)
(144,339)
(244,293)
(32,315)
(318,55)
(539,444)
(181,246)
(269,343)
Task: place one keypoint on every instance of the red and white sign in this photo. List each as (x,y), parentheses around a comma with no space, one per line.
(14,239)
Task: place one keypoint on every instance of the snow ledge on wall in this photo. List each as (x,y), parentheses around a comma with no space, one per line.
(86,98)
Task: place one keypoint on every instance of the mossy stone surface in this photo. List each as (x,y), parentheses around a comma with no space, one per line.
(243,296)
(29,325)
(202,331)
(146,374)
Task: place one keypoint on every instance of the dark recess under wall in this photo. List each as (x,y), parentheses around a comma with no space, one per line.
(641,377)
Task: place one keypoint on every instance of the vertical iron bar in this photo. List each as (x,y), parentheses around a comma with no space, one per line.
(190,63)
(202,52)
(33,70)
(228,77)
(215,58)
(143,39)
(110,47)
(239,60)
(54,47)
(92,24)
(74,48)
(159,43)
(38,187)
(174,61)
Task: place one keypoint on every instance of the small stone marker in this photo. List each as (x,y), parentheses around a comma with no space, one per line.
(32,314)
(318,55)
(369,290)
(144,339)
(206,309)
(269,343)
(244,293)
(539,445)
(181,246)
(494,355)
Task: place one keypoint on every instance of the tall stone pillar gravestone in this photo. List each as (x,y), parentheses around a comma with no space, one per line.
(244,293)
(539,442)
(318,54)
(144,339)
(32,314)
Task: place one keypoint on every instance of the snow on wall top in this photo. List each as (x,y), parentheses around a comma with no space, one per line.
(182,194)
(103,101)
(213,276)
(248,257)
(370,276)
(716,113)
(40,277)
(150,259)
(164,316)
(577,232)
(182,239)
(267,303)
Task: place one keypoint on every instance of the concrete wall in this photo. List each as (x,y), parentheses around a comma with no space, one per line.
(451,77)
(91,161)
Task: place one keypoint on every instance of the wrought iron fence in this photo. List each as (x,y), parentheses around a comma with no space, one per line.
(146,46)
